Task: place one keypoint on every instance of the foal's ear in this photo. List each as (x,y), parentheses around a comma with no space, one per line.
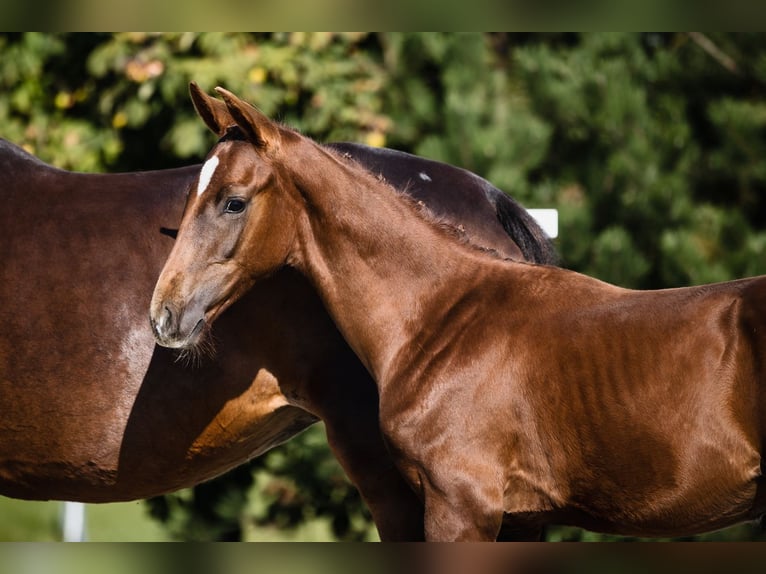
(258,128)
(213,111)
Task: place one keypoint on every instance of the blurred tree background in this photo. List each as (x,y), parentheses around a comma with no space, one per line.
(651,146)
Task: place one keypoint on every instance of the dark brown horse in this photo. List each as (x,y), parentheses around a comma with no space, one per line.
(92,410)
(509,392)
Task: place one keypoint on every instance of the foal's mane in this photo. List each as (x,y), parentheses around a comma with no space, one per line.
(442,225)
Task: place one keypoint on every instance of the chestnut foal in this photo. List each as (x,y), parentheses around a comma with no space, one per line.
(510,393)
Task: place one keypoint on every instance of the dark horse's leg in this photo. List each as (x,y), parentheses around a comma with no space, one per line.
(515,529)
(531,534)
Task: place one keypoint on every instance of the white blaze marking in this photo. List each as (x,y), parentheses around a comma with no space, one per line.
(206,174)
(424,176)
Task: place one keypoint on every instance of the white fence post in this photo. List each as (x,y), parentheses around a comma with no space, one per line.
(73,522)
(548,219)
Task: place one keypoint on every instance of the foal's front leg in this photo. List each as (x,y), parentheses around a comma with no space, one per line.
(457,480)
(461,505)
(395,508)
(350,413)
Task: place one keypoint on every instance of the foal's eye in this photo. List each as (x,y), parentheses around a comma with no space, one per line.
(234,205)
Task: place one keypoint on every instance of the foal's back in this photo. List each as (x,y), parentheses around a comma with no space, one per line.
(635,412)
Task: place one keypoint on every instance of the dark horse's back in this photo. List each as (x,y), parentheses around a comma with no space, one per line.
(470,198)
(80,253)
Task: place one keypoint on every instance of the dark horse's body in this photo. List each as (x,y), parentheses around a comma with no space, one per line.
(510,393)
(92,410)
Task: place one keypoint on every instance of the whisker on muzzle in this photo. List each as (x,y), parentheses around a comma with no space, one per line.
(203,349)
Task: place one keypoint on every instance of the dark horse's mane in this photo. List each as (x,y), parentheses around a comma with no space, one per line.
(523,229)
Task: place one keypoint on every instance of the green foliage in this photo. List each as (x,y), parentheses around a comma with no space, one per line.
(212,511)
(661,146)
(302,482)
(651,146)
(297,483)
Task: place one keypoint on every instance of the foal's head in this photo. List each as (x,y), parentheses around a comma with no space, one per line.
(238,225)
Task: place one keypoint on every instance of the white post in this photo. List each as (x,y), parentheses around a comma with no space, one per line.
(548,219)
(73,522)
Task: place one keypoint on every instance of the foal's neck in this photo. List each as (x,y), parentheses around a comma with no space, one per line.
(379,265)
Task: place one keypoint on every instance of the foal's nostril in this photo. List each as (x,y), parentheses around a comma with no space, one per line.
(163,325)
(167,319)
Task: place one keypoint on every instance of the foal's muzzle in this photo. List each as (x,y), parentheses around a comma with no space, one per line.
(167,327)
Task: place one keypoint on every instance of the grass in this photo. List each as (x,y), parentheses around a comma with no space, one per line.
(28,521)
(22,520)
